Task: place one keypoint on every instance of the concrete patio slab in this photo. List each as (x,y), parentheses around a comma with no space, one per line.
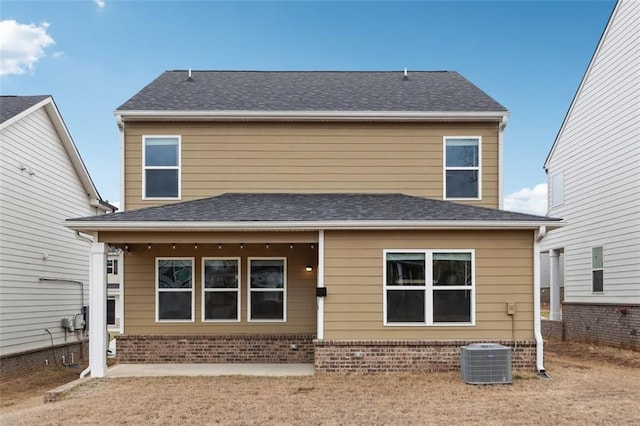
(161,370)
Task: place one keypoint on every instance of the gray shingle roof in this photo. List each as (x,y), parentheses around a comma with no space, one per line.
(376,91)
(10,106)
(241,207)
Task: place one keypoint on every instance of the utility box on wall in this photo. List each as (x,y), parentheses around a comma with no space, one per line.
(485,363)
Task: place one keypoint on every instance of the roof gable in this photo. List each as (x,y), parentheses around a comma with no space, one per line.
(603,49)
(14,108)
(311,91)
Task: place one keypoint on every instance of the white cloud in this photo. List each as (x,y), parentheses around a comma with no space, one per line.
(56,55)
(528,200)
(22,46)
(100,3)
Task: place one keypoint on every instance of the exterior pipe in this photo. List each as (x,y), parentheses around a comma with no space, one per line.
(537,326)
(503,124)
(121,135)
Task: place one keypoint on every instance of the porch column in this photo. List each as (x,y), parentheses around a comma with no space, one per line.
(554,285)
(98,311)
(320,274)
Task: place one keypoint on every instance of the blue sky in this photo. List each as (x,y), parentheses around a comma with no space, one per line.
(93,55)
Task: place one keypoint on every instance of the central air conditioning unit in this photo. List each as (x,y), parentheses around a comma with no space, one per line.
(485,363)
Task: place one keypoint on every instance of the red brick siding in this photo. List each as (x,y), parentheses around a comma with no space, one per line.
(382,356)
(41,359)
(270,349)
(552,330)
(602,324)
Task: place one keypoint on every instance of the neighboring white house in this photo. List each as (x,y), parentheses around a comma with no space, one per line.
(593,173)
(44,267)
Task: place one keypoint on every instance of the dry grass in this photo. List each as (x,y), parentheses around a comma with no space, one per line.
(590,385)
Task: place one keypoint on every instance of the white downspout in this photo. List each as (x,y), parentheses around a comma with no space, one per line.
(537,326)
(320,272)
(503,124)
(90,239)
(121,133)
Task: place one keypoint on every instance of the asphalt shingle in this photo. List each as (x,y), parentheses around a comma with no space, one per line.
(250,207)
(373,91)
(10,106)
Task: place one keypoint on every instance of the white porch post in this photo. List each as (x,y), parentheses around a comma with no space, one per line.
(98,311)
(554,285)
(320,273)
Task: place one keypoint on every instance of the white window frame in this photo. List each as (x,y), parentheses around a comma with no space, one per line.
(178,167)
(115,311)
(445,168)
(429,288)
(214,290)
(557,190)
(283,289)
(594,269)
(167,290)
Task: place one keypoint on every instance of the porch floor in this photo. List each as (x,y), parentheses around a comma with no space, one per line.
(146,370)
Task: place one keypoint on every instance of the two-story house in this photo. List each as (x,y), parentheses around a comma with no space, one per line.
(593,170)
(344,218)
(44,266)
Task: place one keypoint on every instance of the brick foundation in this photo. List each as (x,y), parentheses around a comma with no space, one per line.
(269,349)
(552,330)
(380,356)
(614,325)
(41,359)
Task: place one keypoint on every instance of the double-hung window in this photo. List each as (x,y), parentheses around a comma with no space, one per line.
(462,168)
(174,289)
(429,287)
(221,289)
(597,270)
(267,289)
(161,167)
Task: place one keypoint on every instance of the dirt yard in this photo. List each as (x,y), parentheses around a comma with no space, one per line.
(590,385)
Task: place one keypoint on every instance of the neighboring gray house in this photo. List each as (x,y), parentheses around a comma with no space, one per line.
(44,267)
(594,184)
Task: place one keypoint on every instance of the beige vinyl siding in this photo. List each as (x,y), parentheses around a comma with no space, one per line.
(139,289)
(310,157)
(354,270)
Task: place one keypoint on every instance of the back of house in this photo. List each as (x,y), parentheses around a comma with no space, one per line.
(316,217)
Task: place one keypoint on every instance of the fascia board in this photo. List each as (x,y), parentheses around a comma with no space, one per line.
(312,115)
(26,112)
(94,226)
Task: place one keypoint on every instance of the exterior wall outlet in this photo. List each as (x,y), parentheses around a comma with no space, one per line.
(511,308)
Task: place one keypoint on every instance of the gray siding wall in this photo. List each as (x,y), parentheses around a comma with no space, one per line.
(598,152)
(33,241)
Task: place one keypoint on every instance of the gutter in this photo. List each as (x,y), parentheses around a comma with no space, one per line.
(537,326)
(213,115)
(237,226)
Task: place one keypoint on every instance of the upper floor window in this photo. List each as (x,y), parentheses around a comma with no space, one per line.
(112,266)
(597,270)
(161,166)
(426,287)
(557,189)
(462,168)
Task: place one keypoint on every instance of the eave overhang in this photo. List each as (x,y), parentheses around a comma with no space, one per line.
(197,226)
(402,116)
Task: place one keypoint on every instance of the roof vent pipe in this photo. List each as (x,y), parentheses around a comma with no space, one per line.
(189,78)
(405,77)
